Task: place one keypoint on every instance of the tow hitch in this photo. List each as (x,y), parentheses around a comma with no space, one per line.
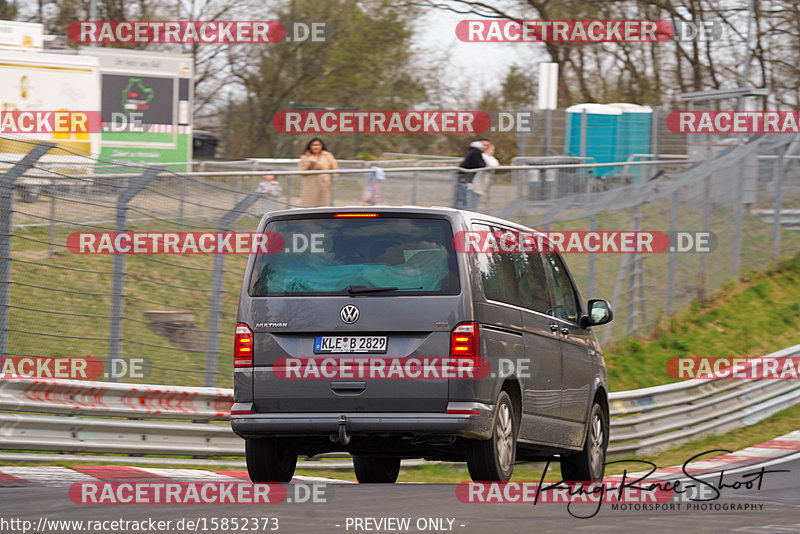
(344,439)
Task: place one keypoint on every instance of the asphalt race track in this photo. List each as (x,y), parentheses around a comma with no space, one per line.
(777,510)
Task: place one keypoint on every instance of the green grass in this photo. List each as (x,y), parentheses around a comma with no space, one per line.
(74,314)
(755,315)
(761,318)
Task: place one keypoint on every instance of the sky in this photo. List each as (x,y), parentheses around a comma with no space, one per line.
(484,63)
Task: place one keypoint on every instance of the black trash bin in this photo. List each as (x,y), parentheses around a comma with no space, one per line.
(204,144)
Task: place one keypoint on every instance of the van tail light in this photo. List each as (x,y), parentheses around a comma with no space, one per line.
(464,342)
(243,346)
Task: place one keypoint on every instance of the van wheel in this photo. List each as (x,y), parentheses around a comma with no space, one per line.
(373,470)
(270,460)
(493,459)
(589,464)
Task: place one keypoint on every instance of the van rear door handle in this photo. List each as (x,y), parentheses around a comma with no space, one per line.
(348,385)
(345,389)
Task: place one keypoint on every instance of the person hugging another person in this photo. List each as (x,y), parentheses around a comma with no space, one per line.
(316,187)
(483,179)
(473,160)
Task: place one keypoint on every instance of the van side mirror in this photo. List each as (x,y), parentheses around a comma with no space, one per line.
(599,312)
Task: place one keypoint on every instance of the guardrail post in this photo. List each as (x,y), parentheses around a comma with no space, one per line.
(654,145)
(590,284)
(521,176)
(673,228)
(181,202)
(623,265)
(52,246)
(118,276)
(584,124)
(217,277)
(289,180)
(776,219)
(633,274)
(414,186)
(704,259)
(547,131)
(6,204)
(736,254)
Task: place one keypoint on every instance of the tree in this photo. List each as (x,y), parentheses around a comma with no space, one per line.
(655,73)
(366,64)
(8,10)
(518,88)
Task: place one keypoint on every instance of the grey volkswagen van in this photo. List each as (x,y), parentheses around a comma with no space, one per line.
(353,288)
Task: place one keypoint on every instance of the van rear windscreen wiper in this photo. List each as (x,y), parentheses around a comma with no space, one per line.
(365,289)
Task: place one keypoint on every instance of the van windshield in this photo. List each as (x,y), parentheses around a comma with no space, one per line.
(402,255)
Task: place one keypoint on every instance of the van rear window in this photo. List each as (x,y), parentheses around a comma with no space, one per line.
(345,256)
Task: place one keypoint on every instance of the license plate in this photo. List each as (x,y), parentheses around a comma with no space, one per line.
(347,344)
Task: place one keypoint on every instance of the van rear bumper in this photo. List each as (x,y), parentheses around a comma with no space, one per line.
(470,425)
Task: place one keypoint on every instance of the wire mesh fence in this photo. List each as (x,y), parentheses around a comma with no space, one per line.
(175,313)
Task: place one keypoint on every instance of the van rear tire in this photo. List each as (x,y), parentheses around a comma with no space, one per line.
(589,465)
(270,459)
(492,460)
(376,470)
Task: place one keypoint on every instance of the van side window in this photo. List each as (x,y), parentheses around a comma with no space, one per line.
(566,302)
(532,282)
(513,278)
(499,280)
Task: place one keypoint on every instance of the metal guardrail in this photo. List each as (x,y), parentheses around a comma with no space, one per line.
(643,420)
(651,419)
(81,397)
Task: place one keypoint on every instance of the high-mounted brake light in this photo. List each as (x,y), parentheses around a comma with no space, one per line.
(464,341)
(341,215)
(243,346)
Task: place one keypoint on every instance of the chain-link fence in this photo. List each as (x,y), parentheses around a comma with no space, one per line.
(743,194)
(176,312)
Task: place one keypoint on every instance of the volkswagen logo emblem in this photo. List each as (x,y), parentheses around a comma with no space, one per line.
(349,314)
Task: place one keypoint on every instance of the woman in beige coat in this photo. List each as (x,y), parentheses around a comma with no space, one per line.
(316,187)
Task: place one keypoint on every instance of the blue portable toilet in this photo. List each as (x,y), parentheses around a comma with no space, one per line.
(602,125)
(633,136)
